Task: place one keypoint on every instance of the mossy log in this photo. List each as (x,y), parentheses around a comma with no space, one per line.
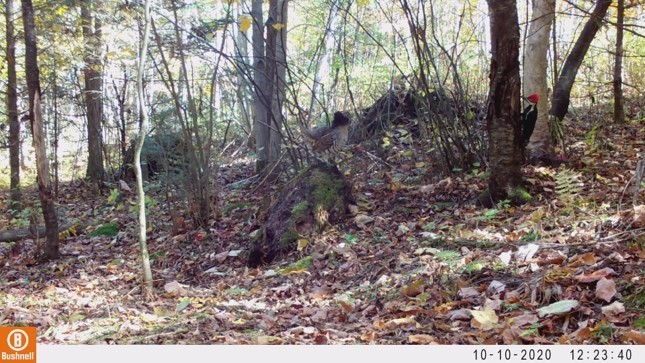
(317,197)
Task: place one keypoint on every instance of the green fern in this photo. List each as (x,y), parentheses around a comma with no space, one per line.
(567,184)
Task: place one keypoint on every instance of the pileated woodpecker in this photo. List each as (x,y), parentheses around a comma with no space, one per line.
(528,118)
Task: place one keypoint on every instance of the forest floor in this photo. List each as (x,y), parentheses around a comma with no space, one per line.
(418,264)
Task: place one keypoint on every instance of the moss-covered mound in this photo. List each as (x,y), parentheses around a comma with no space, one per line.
(318,196)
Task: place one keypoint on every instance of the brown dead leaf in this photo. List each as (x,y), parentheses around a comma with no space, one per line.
(403,229)
(421,339)
(583,333)
(401,323)
(320,292)
(369,336)
(221,257)
(347,307)
(635,336)
(522,320)
(588,258)
(413,289)
(639,216)
(605,289)
(174,288)
(320,316)
(269,340)
(362,220)
(613,309)
(596,275)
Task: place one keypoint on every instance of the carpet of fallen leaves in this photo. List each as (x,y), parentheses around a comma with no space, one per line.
(417,264)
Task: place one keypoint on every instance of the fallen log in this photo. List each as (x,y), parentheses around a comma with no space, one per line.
(15,235)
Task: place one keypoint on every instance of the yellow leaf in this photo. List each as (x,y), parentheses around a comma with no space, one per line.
(484,320)
(362,3)
(245,22)
(302,243)
(149,318)
(278,26)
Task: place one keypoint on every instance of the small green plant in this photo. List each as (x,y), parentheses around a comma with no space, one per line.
(567,184)
(531,236)
(604,332)
(448,256)
(533,330)
(504,204)
(351,239)
(489,215)
(430,227)
(109,229)
(113,197)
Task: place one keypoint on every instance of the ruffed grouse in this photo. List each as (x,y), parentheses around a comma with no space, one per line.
(328,141)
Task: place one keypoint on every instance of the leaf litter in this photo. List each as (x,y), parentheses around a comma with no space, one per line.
(417,265)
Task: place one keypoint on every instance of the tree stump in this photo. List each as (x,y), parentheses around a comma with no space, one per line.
(319,196)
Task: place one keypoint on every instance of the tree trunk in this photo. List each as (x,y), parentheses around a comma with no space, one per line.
(619,101)
(38,131)
(280,83)
(504,101)
(275,69)
(121,98)
(12,108)
(143,126)
(93,85)
(243,92)
(261,105)
(535,76)
(560,102)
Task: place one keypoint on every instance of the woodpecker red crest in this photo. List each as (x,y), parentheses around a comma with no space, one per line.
(533,98)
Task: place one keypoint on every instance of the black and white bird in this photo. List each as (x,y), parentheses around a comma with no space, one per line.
(528,118)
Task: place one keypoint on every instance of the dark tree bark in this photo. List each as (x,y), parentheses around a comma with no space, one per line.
(12,108)
(121,98)
(619,101)
(560,102)
(93,88)
(504,101)
(38,131)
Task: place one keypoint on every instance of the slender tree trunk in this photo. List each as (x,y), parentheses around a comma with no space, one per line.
(270,69)
(12,108)
(243,92)
(261,105)
(619,101)
(562,92)
(535,75)
(143,127)
(504,101)
(121,97)
(280,82)
(93,89)
(38,131)
(55,141)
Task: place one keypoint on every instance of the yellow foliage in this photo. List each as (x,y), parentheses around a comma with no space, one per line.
(245,22)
